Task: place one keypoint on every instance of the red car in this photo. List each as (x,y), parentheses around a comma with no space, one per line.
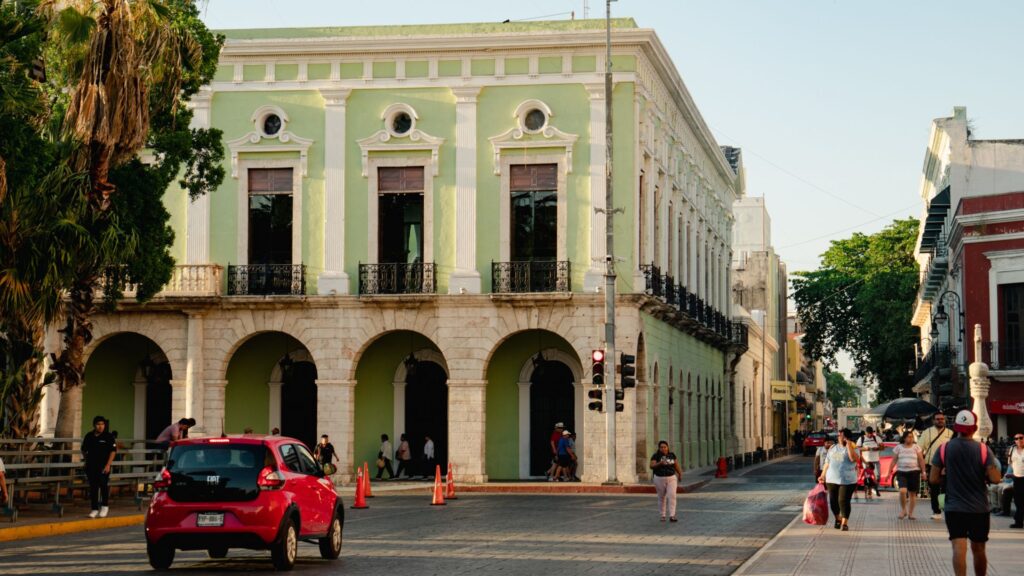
(242,492)
(812,442)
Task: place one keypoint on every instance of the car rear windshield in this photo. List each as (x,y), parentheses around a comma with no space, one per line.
(816,435)
(215,472)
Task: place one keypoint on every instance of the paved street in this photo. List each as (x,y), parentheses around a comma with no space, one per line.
(720,527)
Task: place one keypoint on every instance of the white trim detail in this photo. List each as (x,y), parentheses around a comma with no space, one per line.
(373,203)
(251,142)
(525,107)
(415,140)
(197,227)
(334,279)
(1007,267)
(393,110)
(513,139)
(465,277)
(242,246)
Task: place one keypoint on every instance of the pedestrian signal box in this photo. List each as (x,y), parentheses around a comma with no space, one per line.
(627,369)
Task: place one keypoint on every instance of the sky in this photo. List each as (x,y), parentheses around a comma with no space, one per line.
(830,100)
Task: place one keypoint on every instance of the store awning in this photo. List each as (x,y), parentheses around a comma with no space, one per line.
(937,210)
(1006,398)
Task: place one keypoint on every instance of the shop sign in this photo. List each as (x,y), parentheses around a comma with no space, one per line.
(782,390)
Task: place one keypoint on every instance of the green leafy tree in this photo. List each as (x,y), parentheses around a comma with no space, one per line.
(841,392)
(861,300)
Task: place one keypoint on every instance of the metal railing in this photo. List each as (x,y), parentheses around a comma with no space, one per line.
(653,279)
(670,289)
(267,279)
(1003,355)
(939,356)
(397,278)
(530,276)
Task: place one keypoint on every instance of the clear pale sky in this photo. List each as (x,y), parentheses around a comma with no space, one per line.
(831,100)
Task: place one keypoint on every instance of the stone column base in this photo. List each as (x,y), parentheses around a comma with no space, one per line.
(464,282)
(467,406)
(331,283)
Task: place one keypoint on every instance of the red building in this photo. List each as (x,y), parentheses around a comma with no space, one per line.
(971,252)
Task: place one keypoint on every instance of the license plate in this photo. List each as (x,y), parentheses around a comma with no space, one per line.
(207,519)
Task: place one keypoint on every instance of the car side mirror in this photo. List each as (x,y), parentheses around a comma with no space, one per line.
(320,472)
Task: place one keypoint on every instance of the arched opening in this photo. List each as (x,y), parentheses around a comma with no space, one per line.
(426,411)
(640,409)
(128,381)
(271,384)
(551,401)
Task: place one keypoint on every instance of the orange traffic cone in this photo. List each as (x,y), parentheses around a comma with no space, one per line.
(450,487)
(438,490)
(366,479)
(360,501)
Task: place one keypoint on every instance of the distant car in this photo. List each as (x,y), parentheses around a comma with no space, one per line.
(812,442)
(252,492)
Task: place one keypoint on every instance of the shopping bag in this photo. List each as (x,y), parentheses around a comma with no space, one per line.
(816,506)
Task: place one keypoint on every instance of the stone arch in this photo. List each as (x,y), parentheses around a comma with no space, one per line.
(241,340)
(168,332)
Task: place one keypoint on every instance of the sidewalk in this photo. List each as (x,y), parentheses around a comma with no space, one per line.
(878,544)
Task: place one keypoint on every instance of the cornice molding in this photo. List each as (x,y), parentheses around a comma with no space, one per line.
(288,142)
(552,138)
(417,140)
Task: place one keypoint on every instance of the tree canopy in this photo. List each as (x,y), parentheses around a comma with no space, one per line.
(841,392)
(861,300)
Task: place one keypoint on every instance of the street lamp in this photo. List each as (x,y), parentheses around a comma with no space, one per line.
(935,332)
(954,300)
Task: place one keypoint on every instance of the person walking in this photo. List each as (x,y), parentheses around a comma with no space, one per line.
(556,436)
(870,446)
(429,462)
(667,475)
(99,448)
(909,462)
(4,497)
(384,458)
(820,455)
(326,455)
(968,466)
(1015,461)
(840,476)
(566,456)
(931,440)
(404,455)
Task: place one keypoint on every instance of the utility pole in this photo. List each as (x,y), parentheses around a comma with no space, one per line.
(609,275)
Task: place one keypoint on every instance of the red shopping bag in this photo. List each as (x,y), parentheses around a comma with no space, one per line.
(816,506)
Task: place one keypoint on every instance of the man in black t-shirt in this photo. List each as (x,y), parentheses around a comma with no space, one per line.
(324,454)
(99,448)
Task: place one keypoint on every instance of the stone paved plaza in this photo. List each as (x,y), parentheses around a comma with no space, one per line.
(720,527)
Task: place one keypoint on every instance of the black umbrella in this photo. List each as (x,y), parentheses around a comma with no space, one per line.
(904,409)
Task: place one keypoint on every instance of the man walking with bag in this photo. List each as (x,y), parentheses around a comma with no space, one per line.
(930,441)
(968,466)
(99,448)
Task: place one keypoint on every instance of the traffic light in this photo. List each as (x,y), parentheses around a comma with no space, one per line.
(597,358)
(619,407)
(620,394)
(627,369)
(595,395)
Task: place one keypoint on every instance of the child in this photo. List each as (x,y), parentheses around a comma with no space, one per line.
(870,480)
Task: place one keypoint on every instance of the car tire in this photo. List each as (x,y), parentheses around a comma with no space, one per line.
(286,549)
(330,545)
(160,556)
(218,552)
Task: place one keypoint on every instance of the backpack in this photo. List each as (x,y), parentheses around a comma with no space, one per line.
(984,454)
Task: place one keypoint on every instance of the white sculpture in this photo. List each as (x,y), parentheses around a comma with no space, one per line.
(979,389)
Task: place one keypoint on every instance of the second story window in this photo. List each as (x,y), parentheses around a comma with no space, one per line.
(400,214)
(1011,316)
(270,215)
(534,212)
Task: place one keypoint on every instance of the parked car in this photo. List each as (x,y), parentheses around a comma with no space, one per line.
(812,442)
(252,492)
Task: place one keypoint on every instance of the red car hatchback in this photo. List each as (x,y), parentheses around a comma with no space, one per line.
(242,492)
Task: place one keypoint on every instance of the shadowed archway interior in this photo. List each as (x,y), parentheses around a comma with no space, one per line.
(426,412)
(551,401)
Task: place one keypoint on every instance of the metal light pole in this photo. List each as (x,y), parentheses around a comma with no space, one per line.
(609,275)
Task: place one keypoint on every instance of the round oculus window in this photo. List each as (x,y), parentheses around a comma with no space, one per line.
(535,120)
(271,124)
(401,123)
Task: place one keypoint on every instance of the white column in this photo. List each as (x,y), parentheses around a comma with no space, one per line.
(50,404)
(467,429)
(215,407)
(197,233)
(334,279)
(194,395)
(336,411)
(139,412)
(178,401)
(524,429)
(465,278)
(594,278)
(274,405)
(398,424)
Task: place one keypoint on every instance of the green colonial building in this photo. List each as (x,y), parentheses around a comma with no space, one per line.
(409,240)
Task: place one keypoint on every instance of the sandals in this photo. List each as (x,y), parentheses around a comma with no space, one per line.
(845,528)
(902,515)
(673,519)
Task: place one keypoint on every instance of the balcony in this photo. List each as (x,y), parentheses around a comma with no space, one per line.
(1003,355)
(938,357)
(670,289)
(195,280)
(530,276)
(267,280)
(653,279)
(396,278)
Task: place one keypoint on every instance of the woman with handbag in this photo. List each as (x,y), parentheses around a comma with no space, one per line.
(404,455)
(840,476)
(384,458)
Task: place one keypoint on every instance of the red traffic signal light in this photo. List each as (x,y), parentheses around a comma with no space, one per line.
(597,368)
(597,355)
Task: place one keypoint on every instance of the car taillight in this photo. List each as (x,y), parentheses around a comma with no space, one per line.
(270,479)
(163,481)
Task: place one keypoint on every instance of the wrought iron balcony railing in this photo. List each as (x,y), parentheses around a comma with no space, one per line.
(939,356)
(1004,355)
(653,279)
(530,276)
(670,289)
(396,278)
(267,279)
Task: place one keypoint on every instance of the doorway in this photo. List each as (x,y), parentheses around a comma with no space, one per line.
(158,399)
(298,403)
(426,412)
(551,401)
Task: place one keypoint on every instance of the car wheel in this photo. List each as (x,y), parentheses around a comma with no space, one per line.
(218,552)
(330,545)
(286,548)
(160,556)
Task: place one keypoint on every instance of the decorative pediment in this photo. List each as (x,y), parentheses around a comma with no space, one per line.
(415,140)
(517,139)
(254,142)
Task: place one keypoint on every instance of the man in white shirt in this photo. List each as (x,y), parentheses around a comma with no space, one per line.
(931,441)
(1016,467)
(870,446)
(428,456)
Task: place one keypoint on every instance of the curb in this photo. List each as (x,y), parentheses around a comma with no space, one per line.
(71,527)
(574,488)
